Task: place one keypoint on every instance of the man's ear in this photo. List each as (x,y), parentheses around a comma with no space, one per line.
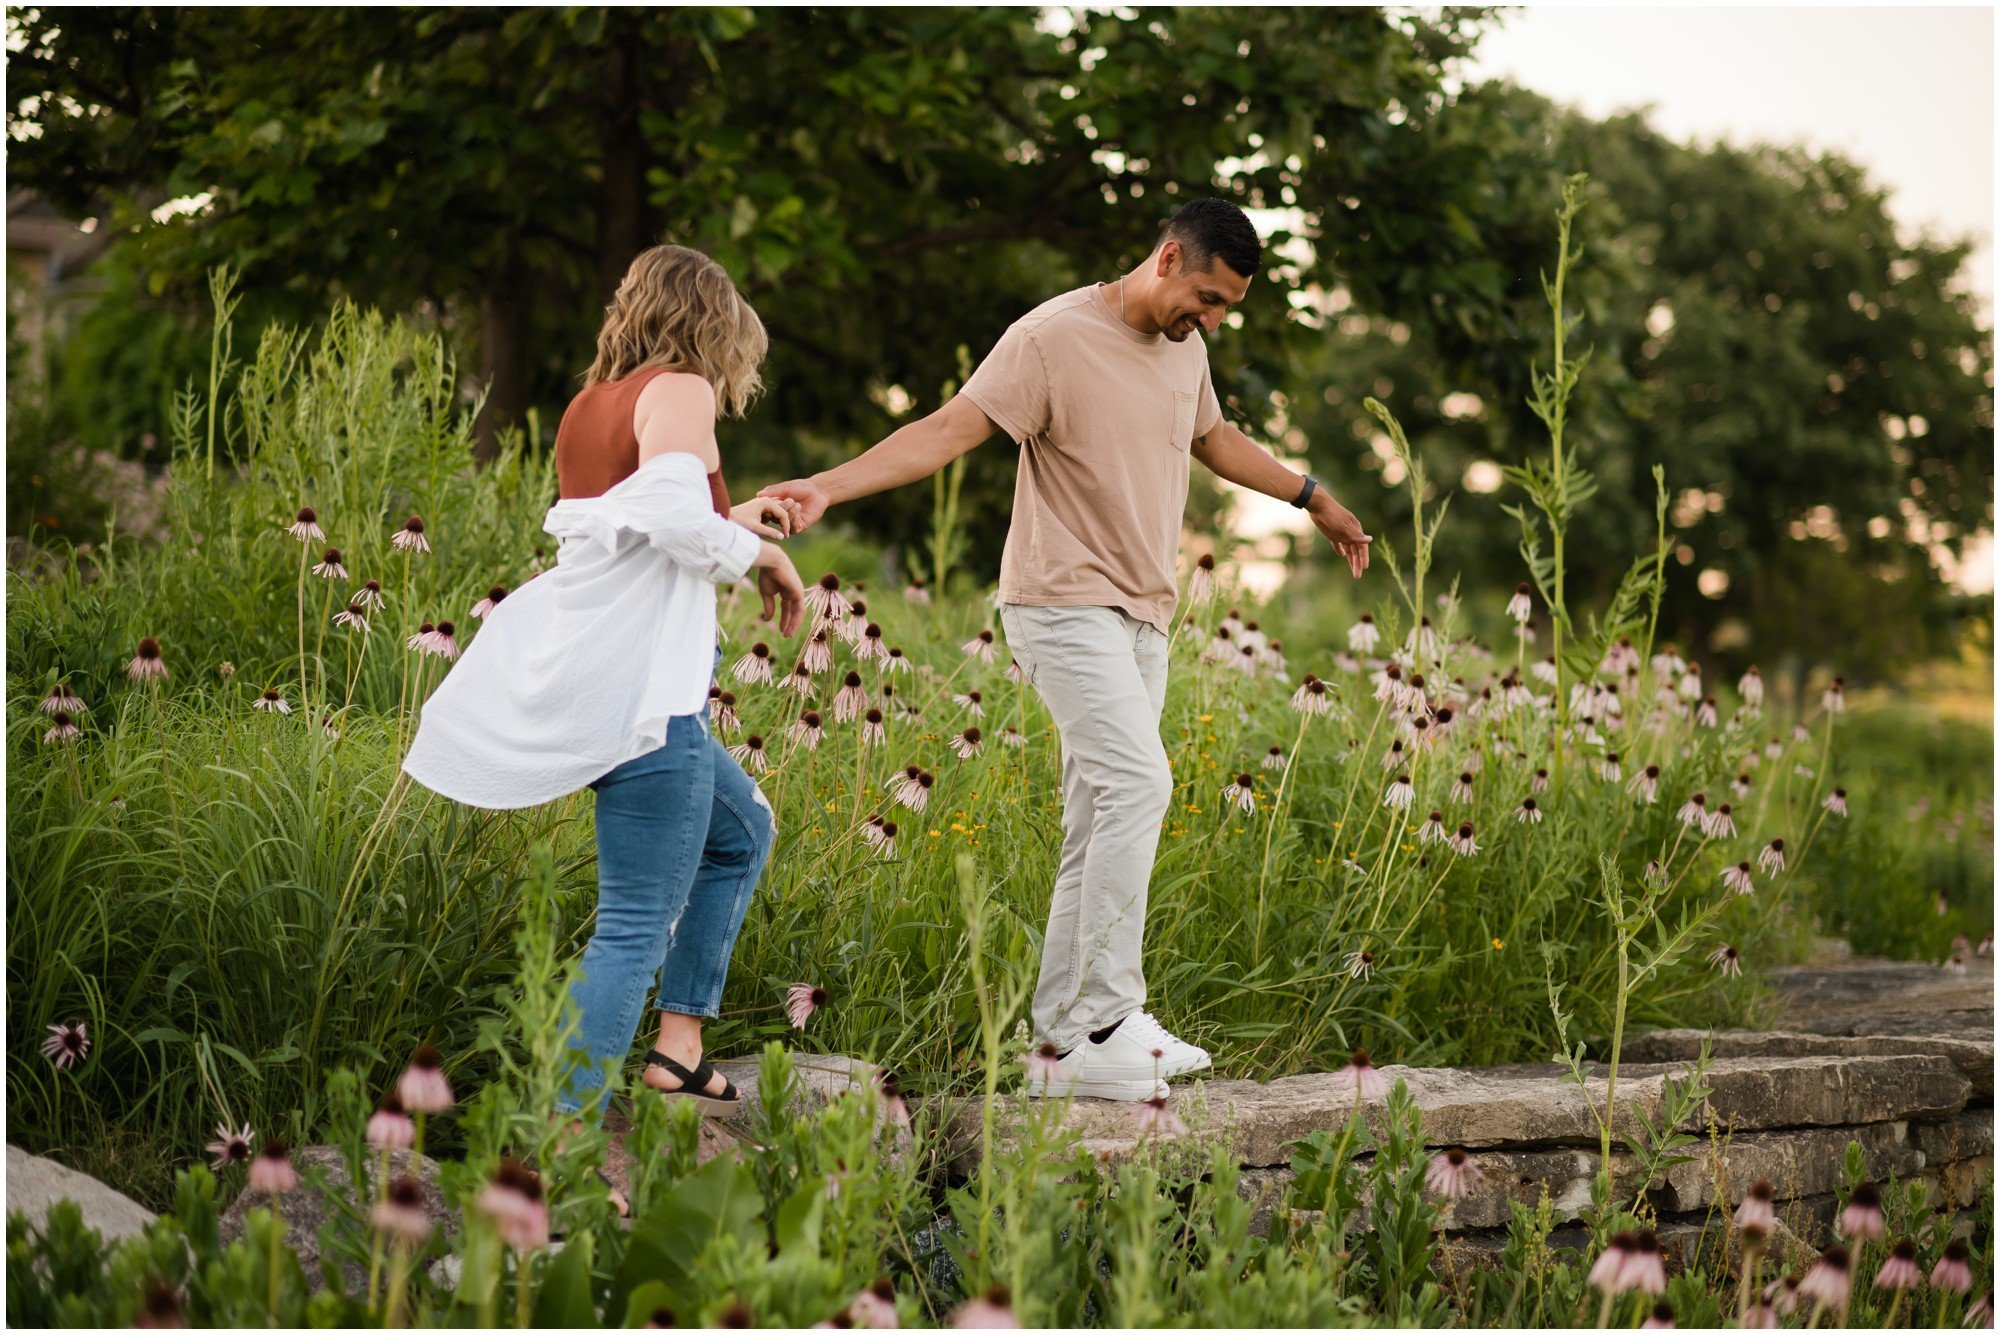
(1167,260)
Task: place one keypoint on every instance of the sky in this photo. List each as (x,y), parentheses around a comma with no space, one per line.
(1906,91)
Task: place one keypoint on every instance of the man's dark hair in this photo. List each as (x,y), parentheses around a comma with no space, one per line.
(1207,228)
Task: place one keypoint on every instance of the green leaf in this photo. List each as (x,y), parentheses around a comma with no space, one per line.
(564,1299)
(716,1200)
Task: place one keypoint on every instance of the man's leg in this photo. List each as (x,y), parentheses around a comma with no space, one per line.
(1086,664)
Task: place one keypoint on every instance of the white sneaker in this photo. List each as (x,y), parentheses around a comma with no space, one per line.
(1121,1067)
(1177,1055)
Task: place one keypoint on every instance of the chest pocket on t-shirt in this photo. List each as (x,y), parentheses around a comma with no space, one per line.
(1183,428)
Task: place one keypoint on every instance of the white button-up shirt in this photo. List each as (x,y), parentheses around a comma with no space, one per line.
(579,669)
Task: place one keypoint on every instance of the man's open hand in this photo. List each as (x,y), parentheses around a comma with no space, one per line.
(1342,529)
(808,502)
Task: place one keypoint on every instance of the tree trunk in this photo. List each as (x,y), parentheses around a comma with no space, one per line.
(621,209)
(505,312)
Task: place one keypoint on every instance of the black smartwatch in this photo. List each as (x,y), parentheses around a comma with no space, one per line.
(1306,492)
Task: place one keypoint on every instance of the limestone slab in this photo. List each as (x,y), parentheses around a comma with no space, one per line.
(35,1183)
(1972,1057)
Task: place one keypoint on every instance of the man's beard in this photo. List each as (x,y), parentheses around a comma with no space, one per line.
(1179,330)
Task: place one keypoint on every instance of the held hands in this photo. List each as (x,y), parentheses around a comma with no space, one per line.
(805,497)
(1338,524)
(767,516)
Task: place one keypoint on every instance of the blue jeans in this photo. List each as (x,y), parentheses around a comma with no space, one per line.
(682,835)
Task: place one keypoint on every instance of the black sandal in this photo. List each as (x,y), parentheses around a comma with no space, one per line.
(694,1083)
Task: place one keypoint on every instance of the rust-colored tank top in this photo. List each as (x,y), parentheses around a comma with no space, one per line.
(596,448)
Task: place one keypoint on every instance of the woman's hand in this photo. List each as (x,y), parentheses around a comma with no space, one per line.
(768,517)
(778,581)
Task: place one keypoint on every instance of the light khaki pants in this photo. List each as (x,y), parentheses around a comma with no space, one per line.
(1103,676)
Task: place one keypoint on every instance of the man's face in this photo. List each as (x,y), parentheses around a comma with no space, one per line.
(1189,298)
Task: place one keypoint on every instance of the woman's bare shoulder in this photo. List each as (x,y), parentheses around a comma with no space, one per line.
(675,412)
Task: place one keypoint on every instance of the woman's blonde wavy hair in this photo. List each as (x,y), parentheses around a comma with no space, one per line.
(676,308)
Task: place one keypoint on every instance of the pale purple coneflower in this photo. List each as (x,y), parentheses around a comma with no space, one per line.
(1830,1279)
(513,1201)
(967,744)
(1645,784)
(146,664)
(1011,736)
(915,592)
(1545,671)
(1740,786)
(889,1100)
(1219,648)
(913,788)
(1360,964)
(410,537)
(1645,1270)
(1251,637)
(1242,792)
(1900,1271)
(1836,802)
(896,662)
(1738,878)
(722,709)
(972,702)
(750,754)
(1433,830)
(1461,790)
(1725,960)
(883,837)
(872,731)
(1771,858)
(1452,1174)
(1980,1314)
(870,647)
(824,598)
(67,1044)
(801,1000)
(1043,1062)
(1689,687)
(1388,683)
(1782,1294)
(855,624)
(306,527)
(1274,758)
(422,1087)
(1014,672)
(391,1128)
(801,681)
(62,700)
(62,728)
(400,1212)
(1758,1209)
(1609,769)
(1201,584)
(443,642)
(329,566)
(1834,699)
(370,596)
(1693,812)
(1720,823)
(754,666)
(1773,749)
(1463,843)
(1155,1114)
(850,700)
(229,1148)
(1363,636)
(993,1310)
(1528,813)
(806,729)
(1862,1218)
(1751,687)
(1520,606)
(1540,782)
(1607,1272)
(980,647)
(1660,1318)
(1704,714)
(1655,873)
(355,617)
(494,597)
(421,641)
(1401,793)
(1395,757)
(271,1171)
(1953,1271)
(818,655)
(1359,1077)
(271,701)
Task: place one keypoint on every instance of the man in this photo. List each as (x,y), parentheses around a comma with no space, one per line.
(1107,391)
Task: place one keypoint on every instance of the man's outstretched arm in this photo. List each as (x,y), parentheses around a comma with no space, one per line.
(1234,457)
(905,455)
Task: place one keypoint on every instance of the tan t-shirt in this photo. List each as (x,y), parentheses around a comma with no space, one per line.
(1105,416)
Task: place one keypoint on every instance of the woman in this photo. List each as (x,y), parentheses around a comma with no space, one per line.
(597,672)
